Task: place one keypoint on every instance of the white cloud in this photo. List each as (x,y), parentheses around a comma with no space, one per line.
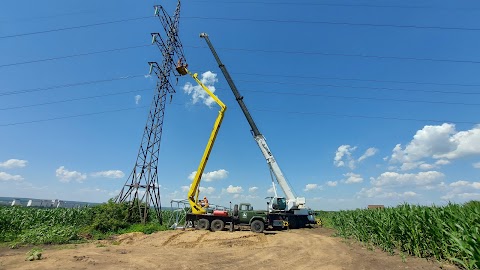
(252,189)
(409,194)
(198,94)
(211,176)
(233,190)
(460,183)
(271,190)
(407,179)
(343,156)
(13,163)
(206,190)
(9,177)
(66,176)
(369,153)
(185,189)
(378,192)
(352,178)
(426,166)
(441,142)
(462,191)
(442,162)
(203,190)
(332,183)
(476,165)
(137,99)
(310,187)
(109,174)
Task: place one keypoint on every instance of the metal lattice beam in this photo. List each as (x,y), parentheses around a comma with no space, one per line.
(142,189)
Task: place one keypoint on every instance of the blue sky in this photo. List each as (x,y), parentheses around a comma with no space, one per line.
(358,106)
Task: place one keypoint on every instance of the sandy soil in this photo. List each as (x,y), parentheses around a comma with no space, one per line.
(192,249)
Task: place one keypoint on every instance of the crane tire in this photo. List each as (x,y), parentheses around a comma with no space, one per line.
(203,224)
(217,225)
(257,226)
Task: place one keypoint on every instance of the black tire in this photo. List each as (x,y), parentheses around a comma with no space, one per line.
(257,226)
(293,223)
(217,225)
(235,210)
(203,224)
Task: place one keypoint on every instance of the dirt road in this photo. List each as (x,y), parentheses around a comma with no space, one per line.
(294,249)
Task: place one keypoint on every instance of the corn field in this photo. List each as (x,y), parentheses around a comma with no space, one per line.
(62,225)
(450,233)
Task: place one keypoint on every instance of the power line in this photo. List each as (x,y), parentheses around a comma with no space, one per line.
(364,98)
(45,17)
(344,54)
(74,55)
(16,92)
(365,116)
(73,99)
(248,50)
(315,4)
(246,19)
(405,26)
(70,116)
(255,91)
(74,27)
(366,87)
(357,79)
(254,109)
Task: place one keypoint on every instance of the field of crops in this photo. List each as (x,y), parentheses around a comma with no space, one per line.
(22,225)
(450,233)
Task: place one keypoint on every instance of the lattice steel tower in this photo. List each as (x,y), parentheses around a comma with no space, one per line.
(141,188)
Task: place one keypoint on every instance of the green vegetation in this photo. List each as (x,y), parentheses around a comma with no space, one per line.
(34,254)
(21,225)
(449,233)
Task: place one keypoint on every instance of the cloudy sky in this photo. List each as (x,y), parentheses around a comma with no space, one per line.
(361,103)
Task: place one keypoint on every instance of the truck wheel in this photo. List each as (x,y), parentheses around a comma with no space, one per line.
(293,223)
(257,226)
(217,225)
(203,224)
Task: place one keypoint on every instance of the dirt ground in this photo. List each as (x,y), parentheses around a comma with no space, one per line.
(314,248)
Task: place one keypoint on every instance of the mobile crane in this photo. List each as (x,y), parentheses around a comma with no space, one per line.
(242,214)
(296,212)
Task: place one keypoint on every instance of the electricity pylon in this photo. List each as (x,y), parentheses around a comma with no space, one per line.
(142,189)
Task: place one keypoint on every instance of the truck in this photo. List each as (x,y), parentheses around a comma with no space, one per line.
(216,220)
(242,215)
(291,208)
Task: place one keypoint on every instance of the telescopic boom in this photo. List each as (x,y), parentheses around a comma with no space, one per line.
(293,202)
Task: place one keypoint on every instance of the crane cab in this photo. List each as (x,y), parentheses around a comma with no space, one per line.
(278,204)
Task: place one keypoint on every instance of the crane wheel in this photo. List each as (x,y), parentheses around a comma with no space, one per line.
(293,223)
(217,225)
(257,226)
(203,224)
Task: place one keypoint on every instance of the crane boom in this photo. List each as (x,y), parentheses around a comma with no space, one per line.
(193,192)
(293,202)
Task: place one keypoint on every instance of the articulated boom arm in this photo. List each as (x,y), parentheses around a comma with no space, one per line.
(193,192)
(292,201)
